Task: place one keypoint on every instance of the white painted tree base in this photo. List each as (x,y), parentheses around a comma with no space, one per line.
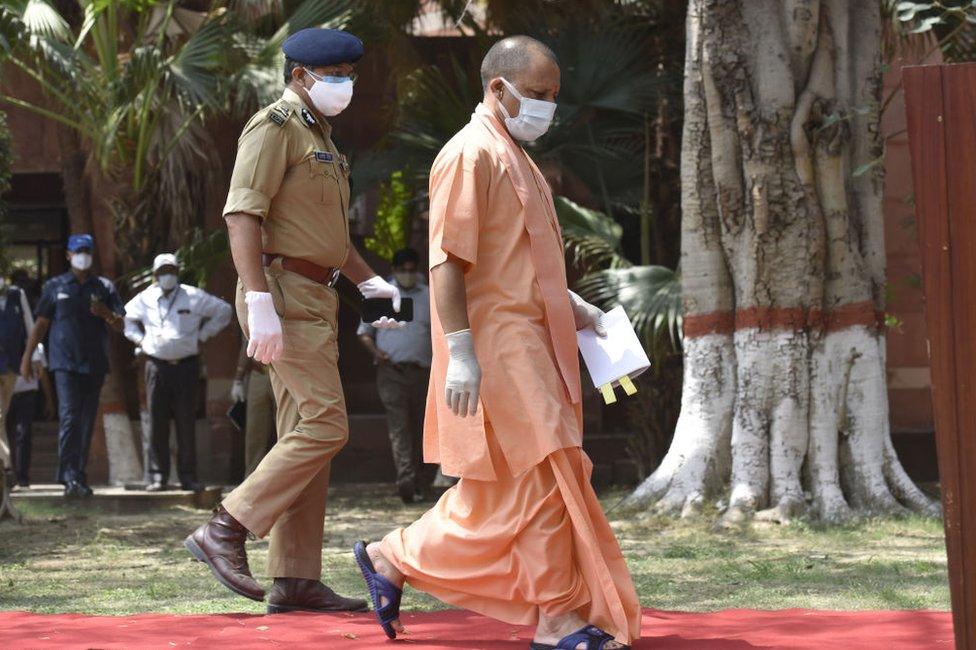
(790,423)
(124,464)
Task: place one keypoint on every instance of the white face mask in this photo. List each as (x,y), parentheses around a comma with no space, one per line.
(167,281)
(405,279)
(81,261)
(330,95)
(533,119)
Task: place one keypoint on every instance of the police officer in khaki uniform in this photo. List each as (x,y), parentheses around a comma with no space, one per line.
(286,215)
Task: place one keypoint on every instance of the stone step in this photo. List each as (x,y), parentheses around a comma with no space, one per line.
(116,499)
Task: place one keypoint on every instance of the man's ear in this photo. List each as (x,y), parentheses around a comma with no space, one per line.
(496,87)
(297,74)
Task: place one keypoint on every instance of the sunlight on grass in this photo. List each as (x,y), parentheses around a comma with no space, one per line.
(79,560)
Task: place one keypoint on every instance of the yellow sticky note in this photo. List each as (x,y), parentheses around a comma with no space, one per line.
(608,395)
(627,385)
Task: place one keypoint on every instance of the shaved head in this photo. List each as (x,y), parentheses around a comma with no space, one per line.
(513,56)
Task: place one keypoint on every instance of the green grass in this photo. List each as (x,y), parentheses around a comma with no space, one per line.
(80,560)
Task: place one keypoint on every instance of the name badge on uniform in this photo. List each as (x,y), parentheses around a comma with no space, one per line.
(63,296)
(324,157)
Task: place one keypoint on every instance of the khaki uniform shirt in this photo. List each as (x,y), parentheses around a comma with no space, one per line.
(290,175)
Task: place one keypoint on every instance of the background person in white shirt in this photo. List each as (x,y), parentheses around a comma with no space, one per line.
(402,358)
(168,321)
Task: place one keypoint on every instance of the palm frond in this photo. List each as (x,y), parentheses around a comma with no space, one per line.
(590,236)
(41,19)
(197,68)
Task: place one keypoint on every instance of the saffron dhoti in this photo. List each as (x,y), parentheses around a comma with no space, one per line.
(515,546)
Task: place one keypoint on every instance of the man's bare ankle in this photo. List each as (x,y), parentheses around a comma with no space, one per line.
(383,565)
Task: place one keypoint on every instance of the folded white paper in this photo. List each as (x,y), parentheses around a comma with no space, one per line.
(618,355)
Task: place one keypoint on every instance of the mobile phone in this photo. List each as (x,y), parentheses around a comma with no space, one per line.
(375,308)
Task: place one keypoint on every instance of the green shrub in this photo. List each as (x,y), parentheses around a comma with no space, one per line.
(394,218)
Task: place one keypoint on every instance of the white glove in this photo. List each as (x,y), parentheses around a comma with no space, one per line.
(237,391)
(265,343)
(385,323)
(377,287)
(463,374)
(587,315)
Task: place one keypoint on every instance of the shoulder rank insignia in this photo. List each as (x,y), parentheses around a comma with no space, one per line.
(324,156)
(308,117)
(279,113)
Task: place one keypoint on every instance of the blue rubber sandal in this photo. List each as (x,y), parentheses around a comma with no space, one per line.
(594,637)
(379,588)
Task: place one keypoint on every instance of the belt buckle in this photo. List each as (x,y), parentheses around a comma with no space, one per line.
(334,279)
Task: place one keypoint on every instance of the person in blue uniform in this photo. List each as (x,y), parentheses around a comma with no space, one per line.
(76,311)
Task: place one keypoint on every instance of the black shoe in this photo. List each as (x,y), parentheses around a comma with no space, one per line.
(11,478)
(72,489)
(23,485)
(156,486)
(192,486)
(406,491)
(85,490)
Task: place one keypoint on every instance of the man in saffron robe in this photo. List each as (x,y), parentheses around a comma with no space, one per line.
(522,536)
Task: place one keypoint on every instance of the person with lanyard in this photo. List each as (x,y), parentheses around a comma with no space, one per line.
(522,536)
(76,311)
(16,321)
(402,358)
(168,321)
(287,220)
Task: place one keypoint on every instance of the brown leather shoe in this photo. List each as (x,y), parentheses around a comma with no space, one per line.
(220,544)
(302,595)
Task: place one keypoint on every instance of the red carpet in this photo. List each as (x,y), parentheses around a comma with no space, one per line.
(727,630)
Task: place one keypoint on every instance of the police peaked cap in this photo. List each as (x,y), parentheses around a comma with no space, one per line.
(77,242)
(318,46)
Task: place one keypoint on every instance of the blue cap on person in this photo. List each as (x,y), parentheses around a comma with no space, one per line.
(317,46)
(77,242)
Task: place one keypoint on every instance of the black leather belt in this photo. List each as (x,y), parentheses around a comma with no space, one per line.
(173,362)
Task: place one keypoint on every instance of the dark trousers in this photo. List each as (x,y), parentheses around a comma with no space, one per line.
(171,394)
(77,407)
(403,391)
(19,419)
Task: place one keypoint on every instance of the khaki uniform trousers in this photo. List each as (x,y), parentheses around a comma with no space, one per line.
(286,495)
(259,427)
(7,382)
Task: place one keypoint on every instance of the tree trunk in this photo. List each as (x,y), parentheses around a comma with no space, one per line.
(74,180)
(783,267)
(124,457)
